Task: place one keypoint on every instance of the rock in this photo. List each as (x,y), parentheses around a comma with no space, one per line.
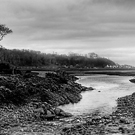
(49,117)
(96,119)
(89,88)
(68,114)
(132,80)
(84,88)
(65,114)
(48,113)
(52,110)
(123,120)
(67,127)
(57,111)
(30,92)
(38,112)
(122,129)
(2,87)
(112,129)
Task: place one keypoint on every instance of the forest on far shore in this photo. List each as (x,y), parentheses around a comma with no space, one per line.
(31,58)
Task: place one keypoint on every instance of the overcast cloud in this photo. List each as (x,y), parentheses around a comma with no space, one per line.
(106,27)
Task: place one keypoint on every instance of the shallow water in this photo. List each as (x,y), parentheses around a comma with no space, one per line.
(103,98)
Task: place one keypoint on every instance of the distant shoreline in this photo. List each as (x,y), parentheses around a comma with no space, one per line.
(78,72)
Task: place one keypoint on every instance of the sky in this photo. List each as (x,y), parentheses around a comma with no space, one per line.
(106,27)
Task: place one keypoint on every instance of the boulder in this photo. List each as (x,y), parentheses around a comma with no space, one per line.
(49,115)
(65,114)
(90,88)
(52,110)
(124,120)
(57,111)
(38,112)
(132,80)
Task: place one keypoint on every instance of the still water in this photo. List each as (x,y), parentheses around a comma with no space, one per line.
(103,99)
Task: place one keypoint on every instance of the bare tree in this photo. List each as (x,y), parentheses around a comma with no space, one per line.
(4,31)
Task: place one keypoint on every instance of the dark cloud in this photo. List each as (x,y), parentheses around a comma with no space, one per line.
(120,3)
(71,19)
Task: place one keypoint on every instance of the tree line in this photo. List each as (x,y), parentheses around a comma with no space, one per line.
(35,58)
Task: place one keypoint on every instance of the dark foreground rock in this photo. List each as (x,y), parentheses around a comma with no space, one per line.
(40,115)
(30,98)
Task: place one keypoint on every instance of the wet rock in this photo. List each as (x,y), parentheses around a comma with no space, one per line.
(49,113)
(57,111)
(67,127)
(49,116)
(132,80)
(65,114)
(60,112)
(89,88)
(124,120)
(112,129)
(38,112)
(122,130)
(2,87)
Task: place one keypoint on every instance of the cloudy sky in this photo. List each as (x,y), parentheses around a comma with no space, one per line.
(106,27)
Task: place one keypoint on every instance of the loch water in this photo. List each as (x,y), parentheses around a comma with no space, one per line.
(107,89)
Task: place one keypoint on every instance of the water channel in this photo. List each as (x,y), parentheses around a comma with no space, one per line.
(103,99)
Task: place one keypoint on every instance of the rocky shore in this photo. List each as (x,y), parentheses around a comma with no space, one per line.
(29,105)
(120,122)
(30,98)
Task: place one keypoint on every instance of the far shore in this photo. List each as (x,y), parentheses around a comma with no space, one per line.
(87,72)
